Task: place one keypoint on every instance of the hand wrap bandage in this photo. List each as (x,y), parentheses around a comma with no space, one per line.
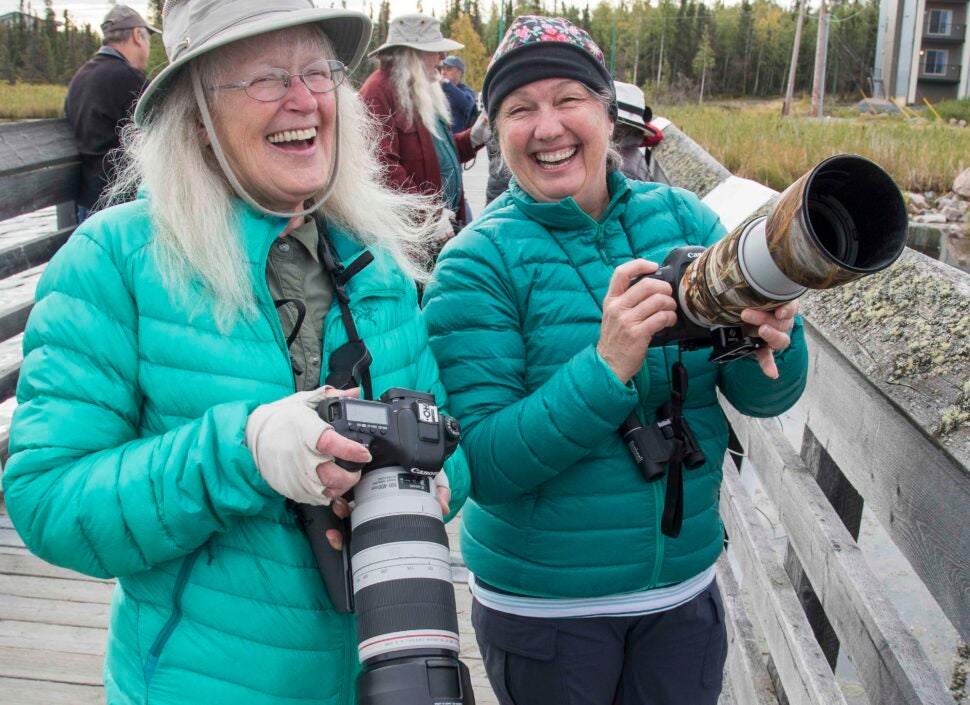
(282,437)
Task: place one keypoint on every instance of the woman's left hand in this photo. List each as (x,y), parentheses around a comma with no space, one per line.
(341,507)
(773,328)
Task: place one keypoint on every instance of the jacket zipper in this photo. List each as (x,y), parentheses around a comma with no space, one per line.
(599,241)
(155,651)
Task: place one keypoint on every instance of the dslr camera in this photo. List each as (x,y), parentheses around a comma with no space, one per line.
(394,571)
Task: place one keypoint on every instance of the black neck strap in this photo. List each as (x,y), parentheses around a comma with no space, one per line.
(350,363)
(673,516)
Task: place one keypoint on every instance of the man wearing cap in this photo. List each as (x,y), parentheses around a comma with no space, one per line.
(461,98)
(404,93)
(101,96)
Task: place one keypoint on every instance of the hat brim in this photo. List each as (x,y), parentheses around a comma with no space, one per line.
(630,119)
(349,33)
(440,45)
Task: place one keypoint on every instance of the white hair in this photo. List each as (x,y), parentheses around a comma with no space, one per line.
(193,207)
(418,94)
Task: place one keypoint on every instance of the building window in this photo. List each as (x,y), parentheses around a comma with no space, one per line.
(934,62)
(940,22)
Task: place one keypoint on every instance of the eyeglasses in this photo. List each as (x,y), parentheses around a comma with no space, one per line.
(321,76)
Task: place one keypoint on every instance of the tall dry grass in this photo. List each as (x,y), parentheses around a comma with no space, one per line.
(24,101)
(757,143)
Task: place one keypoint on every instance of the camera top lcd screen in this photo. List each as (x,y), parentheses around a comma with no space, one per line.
(367,413)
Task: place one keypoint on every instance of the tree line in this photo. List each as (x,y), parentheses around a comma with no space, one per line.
(671,48)
(43,48)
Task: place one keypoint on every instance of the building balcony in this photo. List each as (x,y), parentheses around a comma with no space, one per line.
(954,33)
(941,73)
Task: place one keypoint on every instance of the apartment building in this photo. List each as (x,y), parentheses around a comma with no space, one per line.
(922,51)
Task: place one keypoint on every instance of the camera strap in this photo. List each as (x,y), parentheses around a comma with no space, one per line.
(673,516)
(350,363)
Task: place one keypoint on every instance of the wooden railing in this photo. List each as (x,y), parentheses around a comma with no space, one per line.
(39,167)
(885,425)
(882,425)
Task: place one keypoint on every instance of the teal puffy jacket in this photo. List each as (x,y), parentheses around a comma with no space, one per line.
(128,459)
(558,508)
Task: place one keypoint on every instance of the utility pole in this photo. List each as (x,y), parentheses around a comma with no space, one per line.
(821,49)
(790,91)
(663,30)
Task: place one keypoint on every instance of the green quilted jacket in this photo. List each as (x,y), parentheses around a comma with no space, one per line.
(558,508)
(128,459)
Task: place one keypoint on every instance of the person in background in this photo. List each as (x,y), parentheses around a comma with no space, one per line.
(101,96)
(180,345)
(461,98)
(405,95)
(631,126)
(591,585)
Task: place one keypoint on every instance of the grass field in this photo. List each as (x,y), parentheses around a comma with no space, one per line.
(754,141)
(23,101)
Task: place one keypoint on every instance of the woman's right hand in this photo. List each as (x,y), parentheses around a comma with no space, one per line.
(296,451)
(632,314)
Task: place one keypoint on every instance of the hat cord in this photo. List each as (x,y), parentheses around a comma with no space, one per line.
(231,176)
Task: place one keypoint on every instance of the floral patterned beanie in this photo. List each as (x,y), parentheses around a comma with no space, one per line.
(535,48)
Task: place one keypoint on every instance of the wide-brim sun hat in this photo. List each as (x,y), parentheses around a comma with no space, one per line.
(630,104)
(535,48)
(417,31)
(192,28)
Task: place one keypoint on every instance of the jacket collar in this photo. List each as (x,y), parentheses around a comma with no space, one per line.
(566,214)
(259,230)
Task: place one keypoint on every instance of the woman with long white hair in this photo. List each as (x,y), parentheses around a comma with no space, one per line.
(175,356)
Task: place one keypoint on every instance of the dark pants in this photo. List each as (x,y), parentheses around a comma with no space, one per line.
(669,658)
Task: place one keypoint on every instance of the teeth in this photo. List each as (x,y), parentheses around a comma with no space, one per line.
(556,156)
(292,135)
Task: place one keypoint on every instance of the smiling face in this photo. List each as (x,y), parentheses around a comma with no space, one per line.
(554,136)
(281,151)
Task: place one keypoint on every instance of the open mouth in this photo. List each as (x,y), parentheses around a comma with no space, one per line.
(293,139)
(552,160)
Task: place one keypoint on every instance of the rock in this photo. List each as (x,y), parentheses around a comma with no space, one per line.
(952,121)
(930,218)
(953,215)
(962,123)
(917,202)
(961,184)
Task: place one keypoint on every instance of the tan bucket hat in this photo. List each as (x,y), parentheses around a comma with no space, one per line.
(417,32)
(194,27)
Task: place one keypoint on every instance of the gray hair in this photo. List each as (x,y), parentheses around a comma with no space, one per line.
(418,96)
(119,36)
(193,207)
(613,157)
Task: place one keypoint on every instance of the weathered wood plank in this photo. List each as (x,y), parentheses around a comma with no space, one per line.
(52,666)
(11,355)
(9,537)
(56,589)
(20,691)
(53,637)
(745,669)
(918,491)
(16,300)
(801,665)
(6,415)
(25,563)
(76,614)
(39,166)
(32,252)
(891,664)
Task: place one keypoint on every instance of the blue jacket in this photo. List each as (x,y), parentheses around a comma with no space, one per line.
(558,508)
(128,459)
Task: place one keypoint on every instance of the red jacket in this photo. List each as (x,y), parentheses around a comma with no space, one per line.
(408,150)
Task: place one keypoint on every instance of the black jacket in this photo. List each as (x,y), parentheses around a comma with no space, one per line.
(100,98)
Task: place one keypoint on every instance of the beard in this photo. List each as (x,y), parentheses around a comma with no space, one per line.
(418,92)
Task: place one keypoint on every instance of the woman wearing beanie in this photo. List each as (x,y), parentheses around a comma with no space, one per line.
(586,590)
